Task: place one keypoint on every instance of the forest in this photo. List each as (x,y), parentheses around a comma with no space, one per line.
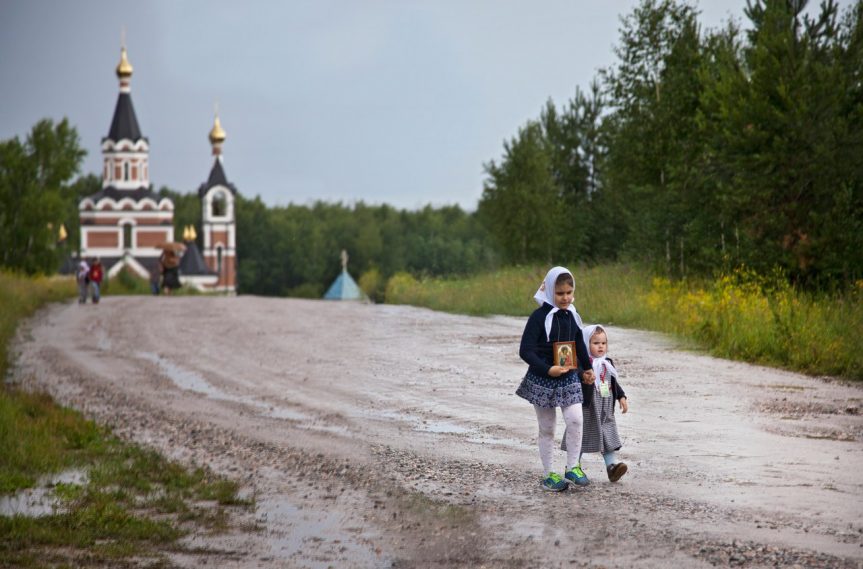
(700,150)
(696,152)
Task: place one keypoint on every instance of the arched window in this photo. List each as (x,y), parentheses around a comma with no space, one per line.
(126,171)
(219,205)
(127,236)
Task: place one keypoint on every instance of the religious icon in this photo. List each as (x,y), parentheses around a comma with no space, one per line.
(564,354)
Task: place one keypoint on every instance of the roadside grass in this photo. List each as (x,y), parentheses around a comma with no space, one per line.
(131,502)
(739,315)
(125,283)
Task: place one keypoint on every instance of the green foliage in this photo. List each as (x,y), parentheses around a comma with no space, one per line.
(373,284)
(20,297)
(780,122)
(81,188)
(547,177)
(187,211)
(126,282)
(700,151)
(619,304)
(739,315)
(37,437)
(653,97)
(294,250)
(35,197)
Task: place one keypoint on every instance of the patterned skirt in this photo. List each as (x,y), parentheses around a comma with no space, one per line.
(171,278)
(560,391)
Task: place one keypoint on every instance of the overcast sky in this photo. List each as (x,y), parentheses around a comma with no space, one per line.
(397,101)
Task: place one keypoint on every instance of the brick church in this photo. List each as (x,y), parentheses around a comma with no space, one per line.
(125,223)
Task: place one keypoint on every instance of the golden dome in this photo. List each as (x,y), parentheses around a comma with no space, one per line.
(124,68)
(217,134)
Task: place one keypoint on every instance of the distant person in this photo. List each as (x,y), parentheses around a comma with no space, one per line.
(548,386)
(97,273)
(155,277)
(82,276)
(170,263)
(600,428)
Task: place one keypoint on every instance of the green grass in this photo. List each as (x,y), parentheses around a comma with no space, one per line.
(740,315)
(134,503)
(127,283)
(20,297)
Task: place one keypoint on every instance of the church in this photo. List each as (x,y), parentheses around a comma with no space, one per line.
(126,223)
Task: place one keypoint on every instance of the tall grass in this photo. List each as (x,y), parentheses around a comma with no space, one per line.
(740,315)
(20,297)
(510,292)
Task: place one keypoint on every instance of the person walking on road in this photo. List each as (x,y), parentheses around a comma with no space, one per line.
(547,385)
(82,275)
(97,272)
(600,428)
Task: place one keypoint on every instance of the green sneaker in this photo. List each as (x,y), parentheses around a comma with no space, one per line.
(577,476)
(554,483)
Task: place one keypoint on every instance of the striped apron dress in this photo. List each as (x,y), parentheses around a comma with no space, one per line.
(600,428)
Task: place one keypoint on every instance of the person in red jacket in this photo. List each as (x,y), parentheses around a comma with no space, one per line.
(97,273)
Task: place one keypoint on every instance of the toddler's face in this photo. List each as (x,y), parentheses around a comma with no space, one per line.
(598,345)
(563,295)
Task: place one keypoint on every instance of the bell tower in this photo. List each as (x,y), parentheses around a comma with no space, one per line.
(218,220)
(125,221)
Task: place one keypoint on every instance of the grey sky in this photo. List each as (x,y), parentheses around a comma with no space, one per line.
(397,102)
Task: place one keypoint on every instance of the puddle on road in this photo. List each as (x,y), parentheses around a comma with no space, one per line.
(308,532)
(103,343)
(483,440)
(191,381)
(442,427)
(448,428)
(40,501)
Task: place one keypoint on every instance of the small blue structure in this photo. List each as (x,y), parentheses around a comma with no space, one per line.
(344,287)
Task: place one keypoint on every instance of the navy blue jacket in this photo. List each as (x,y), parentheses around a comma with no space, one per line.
(536,350)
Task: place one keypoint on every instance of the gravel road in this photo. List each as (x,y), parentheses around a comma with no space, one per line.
(390,436)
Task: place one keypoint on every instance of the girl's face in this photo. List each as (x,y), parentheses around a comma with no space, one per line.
(563,295)
(598,345)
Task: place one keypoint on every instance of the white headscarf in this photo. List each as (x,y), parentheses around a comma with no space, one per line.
(600,362)
(545,295)
(83,269)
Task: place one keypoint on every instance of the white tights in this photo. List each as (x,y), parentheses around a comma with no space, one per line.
(547,418)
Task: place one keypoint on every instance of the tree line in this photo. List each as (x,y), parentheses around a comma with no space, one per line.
(294,250)
(287,250)
(696,151)
(699,150)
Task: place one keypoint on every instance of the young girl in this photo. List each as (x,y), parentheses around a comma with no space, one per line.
(600,428)
(547,385)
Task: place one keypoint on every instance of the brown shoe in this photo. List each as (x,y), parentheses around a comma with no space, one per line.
(615,471)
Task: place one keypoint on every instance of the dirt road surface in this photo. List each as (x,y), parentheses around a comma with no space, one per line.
(390,436)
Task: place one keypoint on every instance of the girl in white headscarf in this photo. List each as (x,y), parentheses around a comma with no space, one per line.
(600,428)
(547,385)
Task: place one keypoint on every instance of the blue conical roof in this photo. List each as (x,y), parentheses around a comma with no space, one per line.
(344,288)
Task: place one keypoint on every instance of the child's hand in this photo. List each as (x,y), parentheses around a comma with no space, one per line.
(588,377)
(624,406)
(556,371)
